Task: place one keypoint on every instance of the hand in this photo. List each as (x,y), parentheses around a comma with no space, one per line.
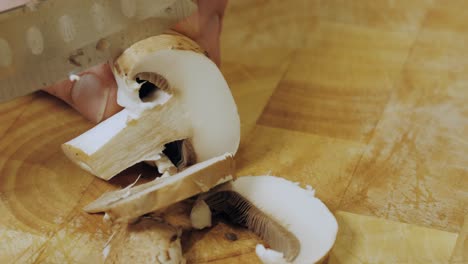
(95,94)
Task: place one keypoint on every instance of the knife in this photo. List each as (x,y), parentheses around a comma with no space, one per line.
(44,41)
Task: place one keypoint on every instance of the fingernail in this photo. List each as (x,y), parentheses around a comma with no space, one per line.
(89,97)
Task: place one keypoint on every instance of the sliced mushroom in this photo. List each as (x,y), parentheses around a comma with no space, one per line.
(128,204)
(171,93)
(288,218)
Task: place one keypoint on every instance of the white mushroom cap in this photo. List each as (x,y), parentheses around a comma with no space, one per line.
(290,219)
(203,95)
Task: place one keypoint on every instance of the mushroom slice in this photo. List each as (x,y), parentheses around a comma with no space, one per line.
(145,241)
(130,203)
(288,218)
(173,96)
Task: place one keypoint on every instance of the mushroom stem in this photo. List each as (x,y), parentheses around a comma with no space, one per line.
(113,145)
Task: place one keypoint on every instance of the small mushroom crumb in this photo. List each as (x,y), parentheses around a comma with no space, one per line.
(74,78)
(200,216)
(230,236)
(107,246)
(270,256)
(106,218)
(105,251)
(310,190)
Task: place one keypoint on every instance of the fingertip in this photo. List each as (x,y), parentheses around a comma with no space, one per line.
(94,95)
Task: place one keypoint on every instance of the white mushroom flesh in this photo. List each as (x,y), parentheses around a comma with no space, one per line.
(202,94)
(200,215)
(269,256)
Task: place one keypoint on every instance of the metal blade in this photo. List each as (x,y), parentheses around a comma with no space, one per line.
(45,41)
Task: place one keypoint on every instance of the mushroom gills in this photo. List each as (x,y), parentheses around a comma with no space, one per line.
(151,86)
(289,218)
(242,212)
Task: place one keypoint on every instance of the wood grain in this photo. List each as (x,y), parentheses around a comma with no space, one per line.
(325,163)
(258,43)
(366,101)
(338,89)
(364,239)
(383,15)
(415,167)
(460,253)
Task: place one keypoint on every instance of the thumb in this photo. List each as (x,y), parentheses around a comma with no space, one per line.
(94,95)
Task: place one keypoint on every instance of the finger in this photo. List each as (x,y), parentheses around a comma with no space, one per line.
(94,95)
(205,26)
(210,22)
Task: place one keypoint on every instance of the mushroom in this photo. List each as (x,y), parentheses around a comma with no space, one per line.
(129,204)
(177,109)
(287,217)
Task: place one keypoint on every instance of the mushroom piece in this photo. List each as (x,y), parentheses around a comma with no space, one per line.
(129,204)
(200,216)
(174,97)
(269,256)
(287,217)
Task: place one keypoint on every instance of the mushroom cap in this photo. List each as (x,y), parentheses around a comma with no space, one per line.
(193,79)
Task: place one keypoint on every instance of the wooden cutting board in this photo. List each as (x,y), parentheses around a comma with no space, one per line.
(367,101)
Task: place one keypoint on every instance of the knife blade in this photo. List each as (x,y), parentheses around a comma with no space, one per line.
(44,41)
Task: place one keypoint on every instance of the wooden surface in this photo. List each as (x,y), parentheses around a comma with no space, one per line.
(367,101)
